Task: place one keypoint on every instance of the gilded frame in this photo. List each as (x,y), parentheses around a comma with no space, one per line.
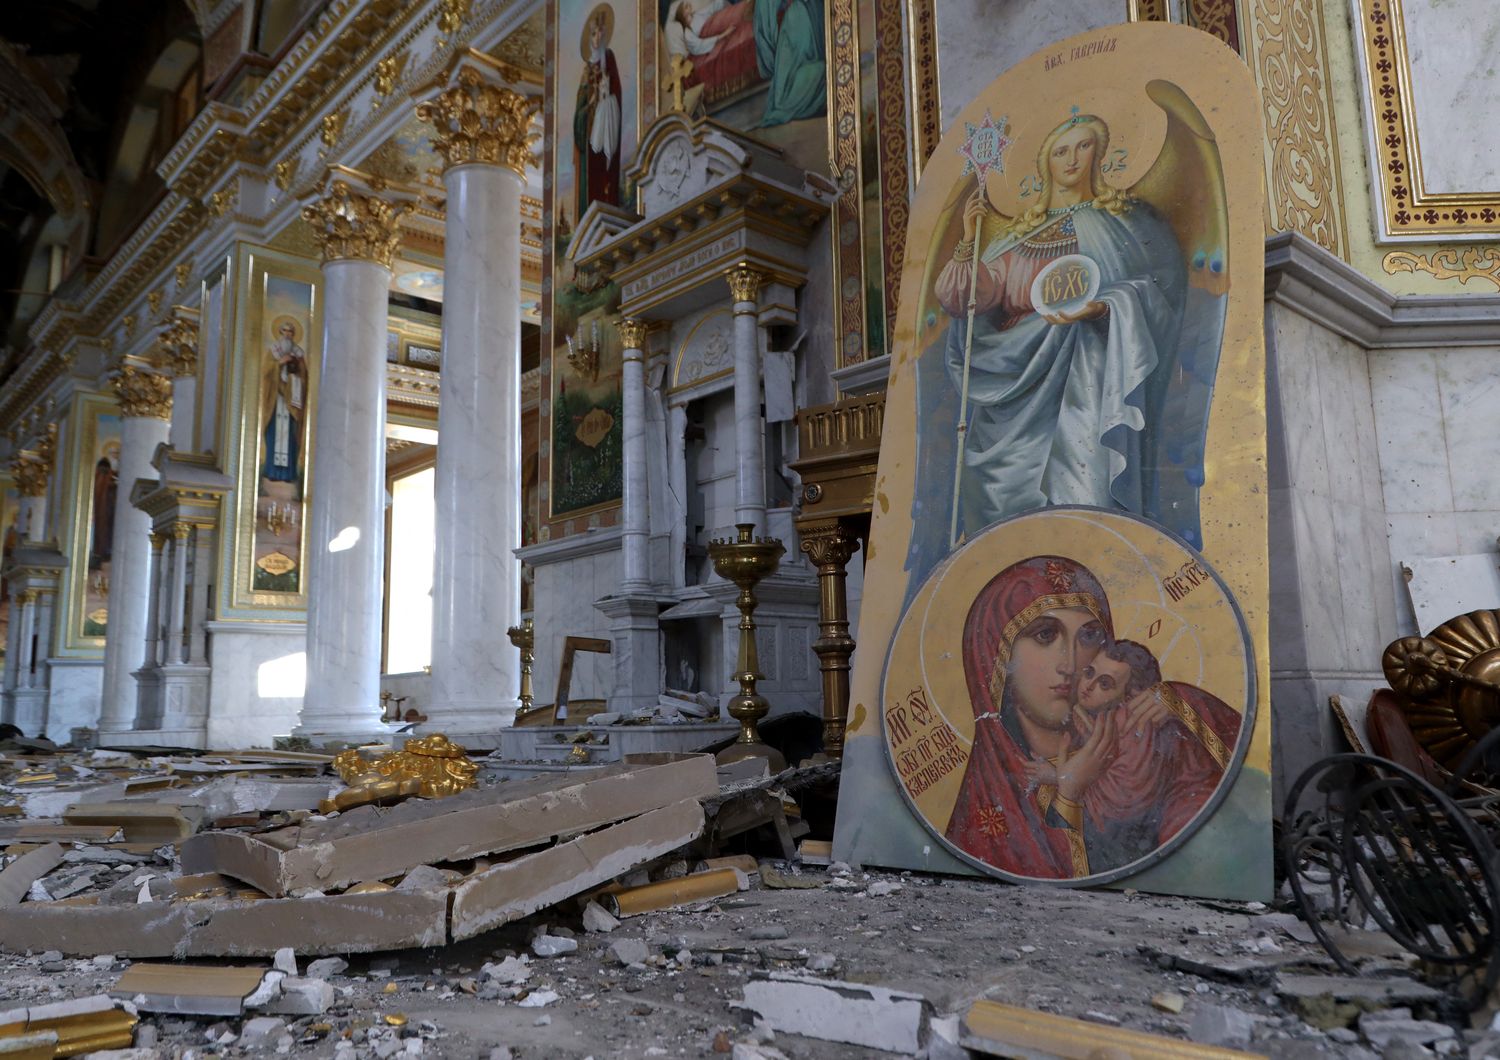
(1405,209)
(82,432)
(241,433)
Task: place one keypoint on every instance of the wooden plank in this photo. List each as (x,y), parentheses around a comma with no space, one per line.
(142,822)
(1004,1030)
(189,989)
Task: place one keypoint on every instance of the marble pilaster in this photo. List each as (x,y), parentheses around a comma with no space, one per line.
(146,407)
(153,606)
(176,603)
(745,284)
(635,527)
(482,129)
(356,222)
(677,487)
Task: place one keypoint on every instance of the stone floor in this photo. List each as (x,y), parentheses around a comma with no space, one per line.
(1114,958)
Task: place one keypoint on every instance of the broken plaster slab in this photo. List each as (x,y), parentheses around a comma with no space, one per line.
(872,1016)
(20,874)
(372,844)
(536,881)
(218,927)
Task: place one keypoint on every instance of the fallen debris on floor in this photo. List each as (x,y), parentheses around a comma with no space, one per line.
(1004,1030)
(835,1011)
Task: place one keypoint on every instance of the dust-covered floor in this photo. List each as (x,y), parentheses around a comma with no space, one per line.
(1112,958)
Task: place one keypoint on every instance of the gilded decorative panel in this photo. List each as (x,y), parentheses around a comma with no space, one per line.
(1417,199)
(275,343)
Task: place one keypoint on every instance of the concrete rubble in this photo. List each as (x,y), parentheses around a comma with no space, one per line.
(211,910)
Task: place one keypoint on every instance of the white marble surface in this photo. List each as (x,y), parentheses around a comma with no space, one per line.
(1469,383)
(1332,594)
(1451,45)
(184,412)
(476,593)
(634,524)
(978,40)
(566,592)
(255,689)
(749,428)
(1413,445)
(346,525)
(129,576)
(75,687)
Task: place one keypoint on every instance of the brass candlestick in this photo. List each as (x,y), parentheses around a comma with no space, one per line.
(524,638)
(745,562)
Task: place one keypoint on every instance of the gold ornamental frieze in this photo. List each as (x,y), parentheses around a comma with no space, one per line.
(357,217)
(476,121)
(143,393)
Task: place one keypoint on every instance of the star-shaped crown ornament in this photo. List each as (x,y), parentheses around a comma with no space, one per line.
(984,146)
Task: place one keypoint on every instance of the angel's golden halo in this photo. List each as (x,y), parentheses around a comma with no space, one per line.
(1135,124)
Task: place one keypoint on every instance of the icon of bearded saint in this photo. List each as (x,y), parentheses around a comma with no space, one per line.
(284,400)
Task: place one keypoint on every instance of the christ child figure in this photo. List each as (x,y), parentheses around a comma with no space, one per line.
(1161,760)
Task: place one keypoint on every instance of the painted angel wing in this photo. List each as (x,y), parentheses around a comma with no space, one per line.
(1186,186)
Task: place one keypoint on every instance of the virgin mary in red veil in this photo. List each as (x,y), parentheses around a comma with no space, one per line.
(1028,635)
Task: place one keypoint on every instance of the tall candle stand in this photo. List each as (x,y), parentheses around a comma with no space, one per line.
(745,562)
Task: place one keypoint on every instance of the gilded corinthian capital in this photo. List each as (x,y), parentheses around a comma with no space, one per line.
(745,282)
(356,217)
(475,119)
(178,343)
(633,333)
(143,393)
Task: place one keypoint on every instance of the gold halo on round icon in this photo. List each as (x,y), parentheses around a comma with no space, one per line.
(1156,592)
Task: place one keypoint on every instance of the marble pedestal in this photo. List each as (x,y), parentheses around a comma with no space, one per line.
(26,708)
(173,705)
(635,650)
(786,624)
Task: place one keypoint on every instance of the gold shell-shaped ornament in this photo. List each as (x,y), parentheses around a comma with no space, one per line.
(1452,717)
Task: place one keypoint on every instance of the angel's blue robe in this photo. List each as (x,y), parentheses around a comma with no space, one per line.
(1107,412)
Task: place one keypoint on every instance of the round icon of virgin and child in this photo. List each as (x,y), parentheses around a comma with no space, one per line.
(1068,696)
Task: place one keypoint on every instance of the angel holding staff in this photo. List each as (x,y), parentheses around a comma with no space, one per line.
(1068,342)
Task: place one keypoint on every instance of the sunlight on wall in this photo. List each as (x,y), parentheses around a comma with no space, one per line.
(413,516)
(283,678)
(346,539)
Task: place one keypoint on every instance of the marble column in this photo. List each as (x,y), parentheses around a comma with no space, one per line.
(635,529)
(745,284)
(482,130)
(677,487)
(355,221)
(145,400)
